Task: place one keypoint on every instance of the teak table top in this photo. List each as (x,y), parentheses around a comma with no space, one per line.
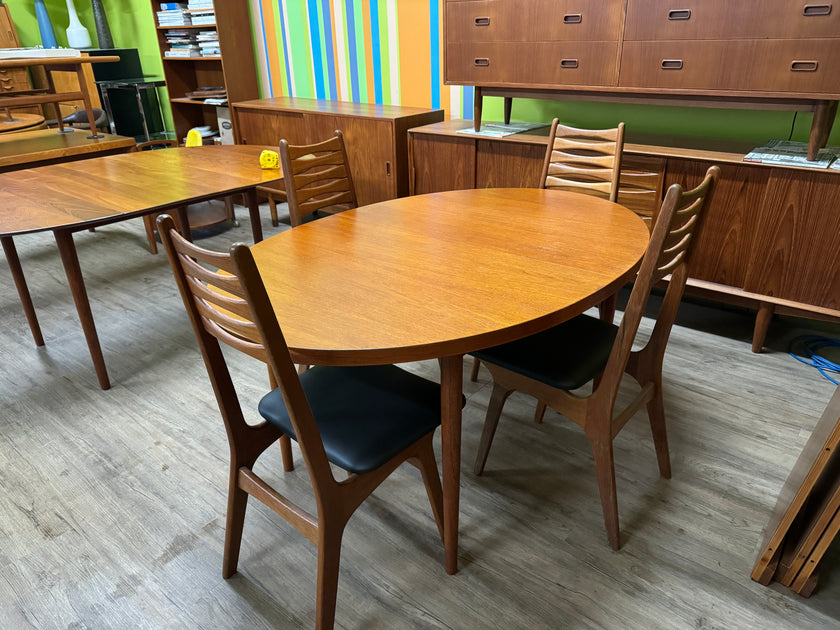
(441,275)
(72,196)
(29,149)
(445,273)
(82,194)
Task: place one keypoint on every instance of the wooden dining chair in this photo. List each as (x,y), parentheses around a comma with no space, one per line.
(586,161)
(365,420)
(552,364)
(180,217)
(317,178)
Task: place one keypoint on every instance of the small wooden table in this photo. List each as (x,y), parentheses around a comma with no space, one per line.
(68,198)
(40,147)
(51,95)
(443,275)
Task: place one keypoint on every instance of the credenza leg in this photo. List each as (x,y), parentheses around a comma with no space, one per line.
(23,291)
(451,381)
(70,260)
(824,113)
(477,103)
(508,107)
(762,324)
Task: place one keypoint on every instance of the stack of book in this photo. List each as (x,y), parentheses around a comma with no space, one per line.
(792,153)
(208,42)
(182,43)
(208,94)
(173,14)
(201,11)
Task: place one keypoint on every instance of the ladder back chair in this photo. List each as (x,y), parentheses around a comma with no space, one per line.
(317,178)
(553,363)
(586,161)
(366,420)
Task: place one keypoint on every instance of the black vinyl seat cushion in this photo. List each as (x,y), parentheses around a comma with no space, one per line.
(366,415)
(566,356)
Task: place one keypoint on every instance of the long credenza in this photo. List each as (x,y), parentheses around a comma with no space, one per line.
(770,238)
(757,54)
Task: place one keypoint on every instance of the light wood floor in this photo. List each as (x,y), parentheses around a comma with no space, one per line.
(112,502)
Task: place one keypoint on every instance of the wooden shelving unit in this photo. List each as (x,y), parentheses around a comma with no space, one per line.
(234,68)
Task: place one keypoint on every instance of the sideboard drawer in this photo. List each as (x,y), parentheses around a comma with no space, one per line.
(534,20)
(731,19)
(766,65)
(542,63)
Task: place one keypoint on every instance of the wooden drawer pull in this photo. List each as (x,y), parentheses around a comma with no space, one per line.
(679,14)
(816,9)
(568,63)
(482,21)
(482,62)
(573,18)
(804,66)
(672,64)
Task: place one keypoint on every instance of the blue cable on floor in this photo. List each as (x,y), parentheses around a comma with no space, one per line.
(811,345)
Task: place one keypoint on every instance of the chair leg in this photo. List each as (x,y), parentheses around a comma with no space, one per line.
(602,450)
(286,452)
(431,479)
(656,415)
(237,502)
(149,224)
(491,421)
(329,559)
(606,309)
(474,373)
(272,209)
(539,412)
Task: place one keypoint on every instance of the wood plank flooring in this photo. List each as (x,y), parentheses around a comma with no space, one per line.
(112,502)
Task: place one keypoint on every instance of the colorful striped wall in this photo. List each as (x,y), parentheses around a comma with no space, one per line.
(369,51)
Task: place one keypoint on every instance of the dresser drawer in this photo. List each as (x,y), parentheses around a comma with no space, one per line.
(766,65)
(731,19)
(534,20)
(542,63)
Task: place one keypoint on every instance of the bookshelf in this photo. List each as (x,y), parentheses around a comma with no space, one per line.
(230,65)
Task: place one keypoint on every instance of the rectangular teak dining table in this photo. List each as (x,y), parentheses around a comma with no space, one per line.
(75,196)
(442,275)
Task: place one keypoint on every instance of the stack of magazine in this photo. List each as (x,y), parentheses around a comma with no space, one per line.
(791,153)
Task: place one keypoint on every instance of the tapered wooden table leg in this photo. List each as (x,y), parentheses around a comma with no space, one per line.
(23,290)
(254,212)
(70,260)
(451,380)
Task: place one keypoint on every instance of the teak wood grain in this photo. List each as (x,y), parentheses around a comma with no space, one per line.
(442,275)
(45,146)
(69,197)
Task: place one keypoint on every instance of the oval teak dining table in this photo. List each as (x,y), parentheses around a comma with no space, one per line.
(442,275)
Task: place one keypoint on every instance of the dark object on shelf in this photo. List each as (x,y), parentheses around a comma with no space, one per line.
(103,31)
(78,119)
(130,100)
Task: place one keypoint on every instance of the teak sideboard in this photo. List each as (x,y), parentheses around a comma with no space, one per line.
(756,54)
(771,236)
(375,135)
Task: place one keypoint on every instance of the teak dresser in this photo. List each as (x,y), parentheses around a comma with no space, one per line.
(755,54)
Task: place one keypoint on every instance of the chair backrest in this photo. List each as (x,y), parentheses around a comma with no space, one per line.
(226,301)
(317,177)
(585,160)
(669,251)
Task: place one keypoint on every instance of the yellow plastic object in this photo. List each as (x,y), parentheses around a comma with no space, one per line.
(269,159)
(194,138)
